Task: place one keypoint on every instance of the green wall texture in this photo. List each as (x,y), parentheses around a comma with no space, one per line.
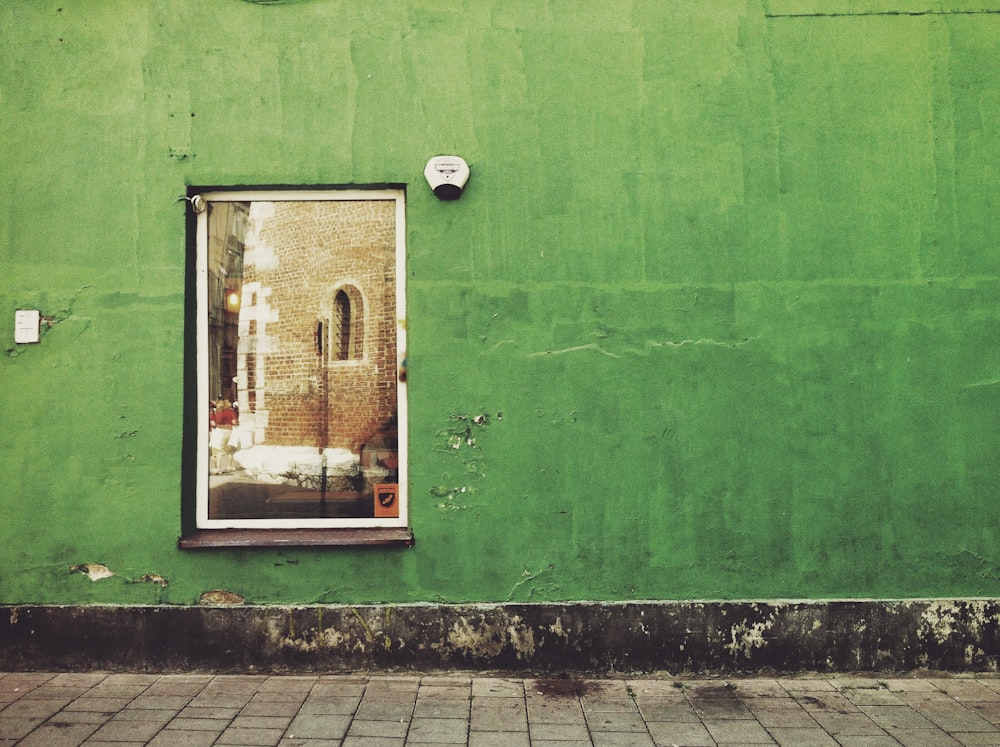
(727,268)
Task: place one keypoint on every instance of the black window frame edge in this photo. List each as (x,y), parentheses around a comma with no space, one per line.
(193,537)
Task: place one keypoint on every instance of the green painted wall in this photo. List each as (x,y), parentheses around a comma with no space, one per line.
(728,269)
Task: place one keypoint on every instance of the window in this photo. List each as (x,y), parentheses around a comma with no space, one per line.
(347,327)
(298,434)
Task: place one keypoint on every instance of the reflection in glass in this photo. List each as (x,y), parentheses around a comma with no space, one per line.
(302,359)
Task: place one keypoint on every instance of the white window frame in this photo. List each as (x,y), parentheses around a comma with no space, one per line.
(202,519)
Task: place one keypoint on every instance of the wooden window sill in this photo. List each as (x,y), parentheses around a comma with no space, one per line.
(203,539)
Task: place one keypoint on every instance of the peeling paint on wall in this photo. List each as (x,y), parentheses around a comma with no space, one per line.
(461,439)
(93,571)
(220,597)
(480,639)
(744,637)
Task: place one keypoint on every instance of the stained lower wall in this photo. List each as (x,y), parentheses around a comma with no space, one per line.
(674,637)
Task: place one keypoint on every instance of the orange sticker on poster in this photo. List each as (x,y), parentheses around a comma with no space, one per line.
(387,501)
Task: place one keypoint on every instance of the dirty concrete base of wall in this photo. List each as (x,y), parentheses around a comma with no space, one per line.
(675,637)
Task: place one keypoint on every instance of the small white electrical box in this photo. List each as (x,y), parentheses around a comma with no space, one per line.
(27,325)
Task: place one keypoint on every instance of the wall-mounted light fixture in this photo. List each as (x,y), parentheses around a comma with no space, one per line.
(234,299)
(447,176)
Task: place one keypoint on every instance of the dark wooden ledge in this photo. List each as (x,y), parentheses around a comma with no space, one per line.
(203,539)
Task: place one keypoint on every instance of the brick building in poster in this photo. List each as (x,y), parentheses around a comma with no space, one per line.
(316,364)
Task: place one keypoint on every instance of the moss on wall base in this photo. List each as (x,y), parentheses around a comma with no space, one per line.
(677,637)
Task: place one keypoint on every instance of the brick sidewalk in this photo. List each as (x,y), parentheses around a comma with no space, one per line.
(51,709)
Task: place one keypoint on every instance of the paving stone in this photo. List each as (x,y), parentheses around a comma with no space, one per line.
(16,728)
(31,708)
(440,708)
(109,705)
(215,725)
(847,724)
(387,695)
(206,699)
(968,692)
(288,683)
(665,709)
(826,701)
(126,678)
(737,731)
(295,742)
(125,730)
(105,690)
(88,679)
(608,705)
(688,734)
(622,739)
(326,689)
(656,687)
(276,696)
(82,717)
(923,738)
(272,708)
(184,738)
(497,687)
(158,716)
(881,741)
(897,717)
(759,687)
(385,711)
(957,718)
(393,684)
(445,681)
(624,722)
(499,714)
(349,742)
(705,687)
(554,711)
(881,696)
(438,731)
(59,735)
(802,737)
(306,726)
(495,738)
(187,677)
(790,716)
(989,711)
(993,683)
(216,712)
(330,705)
(56,692)
(859,681)
(720,708)
(978,737)
(806,685)
(557,732)
(215,696)
(174,687)
(390,729)
(444,692)
(905,684)
(159,702)
(256,737)
(261,722)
